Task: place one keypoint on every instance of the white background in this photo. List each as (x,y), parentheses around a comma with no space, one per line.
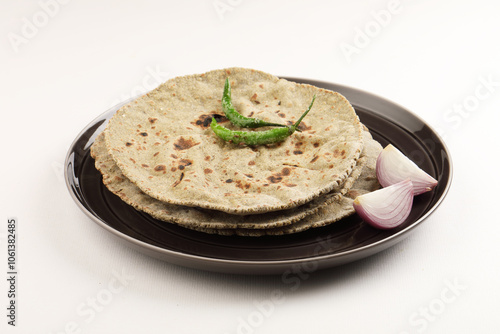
(63,63)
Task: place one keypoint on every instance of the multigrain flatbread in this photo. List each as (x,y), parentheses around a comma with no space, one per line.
(319,212)
(341,207)
(162,143)
(195,217)
(337,209)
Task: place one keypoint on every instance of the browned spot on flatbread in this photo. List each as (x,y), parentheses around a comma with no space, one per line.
(152,120)
(251,163)
(207,171)
(297,152)
(204,120)
(178,181)
(337,153)
(128,144)
(145,165)
(184,163)
(160,168)
(184,144)
(144,134)
(278,177)
(316,157)
(254,99)
(242,185)
(304,127)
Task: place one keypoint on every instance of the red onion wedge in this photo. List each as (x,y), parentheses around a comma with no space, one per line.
(393,167)
(388,207)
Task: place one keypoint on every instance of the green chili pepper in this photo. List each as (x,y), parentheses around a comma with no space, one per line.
(235,117)
(258,137)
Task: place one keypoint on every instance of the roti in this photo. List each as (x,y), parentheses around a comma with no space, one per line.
(341,207)
(163,144)
(319,212)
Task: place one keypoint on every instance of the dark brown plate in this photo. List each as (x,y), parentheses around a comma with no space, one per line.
(345,241)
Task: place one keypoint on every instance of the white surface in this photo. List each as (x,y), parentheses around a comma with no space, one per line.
(431,57)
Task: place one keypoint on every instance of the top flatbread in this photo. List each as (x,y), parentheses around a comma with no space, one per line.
(162,142)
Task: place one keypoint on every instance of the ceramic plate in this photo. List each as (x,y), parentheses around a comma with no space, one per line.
(345,241)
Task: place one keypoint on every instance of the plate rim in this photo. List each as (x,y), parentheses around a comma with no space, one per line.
(267,266)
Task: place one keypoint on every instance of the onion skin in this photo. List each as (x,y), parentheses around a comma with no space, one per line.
(393,167)
(387,207)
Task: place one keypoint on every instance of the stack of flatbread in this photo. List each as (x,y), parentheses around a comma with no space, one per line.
(159,155)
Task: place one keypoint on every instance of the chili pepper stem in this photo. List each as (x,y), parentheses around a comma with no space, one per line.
(227,88)
(296,125)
